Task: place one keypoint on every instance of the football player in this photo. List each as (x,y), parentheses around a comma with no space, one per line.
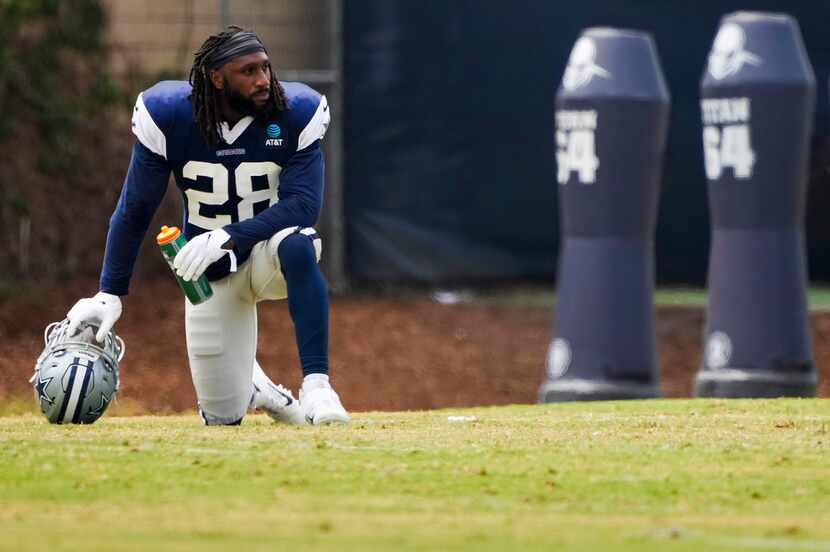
(244,149)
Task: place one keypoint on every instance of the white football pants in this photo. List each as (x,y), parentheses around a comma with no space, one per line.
(222,332)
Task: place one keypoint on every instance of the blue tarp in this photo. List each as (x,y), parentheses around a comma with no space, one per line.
(450,153)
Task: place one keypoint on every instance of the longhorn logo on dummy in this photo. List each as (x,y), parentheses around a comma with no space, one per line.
(582,65)
(718,350)
(728,54)
(559,358)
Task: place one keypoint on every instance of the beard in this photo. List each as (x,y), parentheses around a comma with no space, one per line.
(243,104)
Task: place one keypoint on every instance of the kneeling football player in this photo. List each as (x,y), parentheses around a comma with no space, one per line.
(244,149)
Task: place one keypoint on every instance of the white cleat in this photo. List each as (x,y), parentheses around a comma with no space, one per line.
(320,402)
(278,402)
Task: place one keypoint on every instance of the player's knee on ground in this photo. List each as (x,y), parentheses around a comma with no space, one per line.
(297,254)
(223,412)
(214,420)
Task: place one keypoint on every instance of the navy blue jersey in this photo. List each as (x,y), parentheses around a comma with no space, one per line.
(265,176)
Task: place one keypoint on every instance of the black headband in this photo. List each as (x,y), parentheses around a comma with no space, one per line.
(240,44)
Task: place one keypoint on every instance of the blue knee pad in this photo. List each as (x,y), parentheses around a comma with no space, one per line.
(297,254)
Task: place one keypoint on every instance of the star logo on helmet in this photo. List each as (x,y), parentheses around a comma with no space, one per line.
(105,401)
(40,387)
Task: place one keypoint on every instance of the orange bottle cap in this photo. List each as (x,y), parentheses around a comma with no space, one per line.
(167,234)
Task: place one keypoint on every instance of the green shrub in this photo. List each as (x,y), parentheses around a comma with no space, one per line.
(52,71)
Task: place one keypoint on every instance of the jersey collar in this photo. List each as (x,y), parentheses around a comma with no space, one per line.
(231,134)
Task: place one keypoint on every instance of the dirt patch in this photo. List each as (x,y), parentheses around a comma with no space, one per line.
(386,353)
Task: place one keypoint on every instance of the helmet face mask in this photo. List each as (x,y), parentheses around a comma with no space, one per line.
(76,377)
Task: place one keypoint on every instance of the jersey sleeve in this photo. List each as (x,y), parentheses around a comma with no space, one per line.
(300,197)
(156,112)
(316,127)
(143,190)
(308,114)
(146,129)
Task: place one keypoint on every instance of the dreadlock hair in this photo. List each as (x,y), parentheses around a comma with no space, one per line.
(205,96)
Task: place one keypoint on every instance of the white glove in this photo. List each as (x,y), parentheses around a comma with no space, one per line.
(200,252)
(103,310)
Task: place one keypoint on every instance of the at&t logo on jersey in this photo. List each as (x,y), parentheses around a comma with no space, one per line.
(273,131)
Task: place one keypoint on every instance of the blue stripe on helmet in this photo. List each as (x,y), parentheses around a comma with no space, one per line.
(68,393)
(76,418)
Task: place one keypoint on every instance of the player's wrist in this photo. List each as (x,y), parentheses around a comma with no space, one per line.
(107,296)
(228,243)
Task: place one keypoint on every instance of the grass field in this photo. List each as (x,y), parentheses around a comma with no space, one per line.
(818,298)
(649,475)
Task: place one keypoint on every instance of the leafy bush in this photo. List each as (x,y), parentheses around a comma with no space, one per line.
(52,70)
(57,154)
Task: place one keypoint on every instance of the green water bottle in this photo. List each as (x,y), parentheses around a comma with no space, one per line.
(170,241)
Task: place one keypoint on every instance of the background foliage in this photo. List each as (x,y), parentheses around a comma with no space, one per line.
(64,143)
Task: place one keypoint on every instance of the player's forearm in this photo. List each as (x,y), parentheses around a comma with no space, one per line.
(294,211)
(300,201)
(123,243)
(141,195)
(127,230)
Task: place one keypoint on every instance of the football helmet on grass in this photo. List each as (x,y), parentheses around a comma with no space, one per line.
(76,377)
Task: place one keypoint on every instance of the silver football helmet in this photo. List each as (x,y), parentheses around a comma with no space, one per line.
(76,377)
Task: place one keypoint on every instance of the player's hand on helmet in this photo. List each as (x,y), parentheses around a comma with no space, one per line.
(194,258)
(102,310)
